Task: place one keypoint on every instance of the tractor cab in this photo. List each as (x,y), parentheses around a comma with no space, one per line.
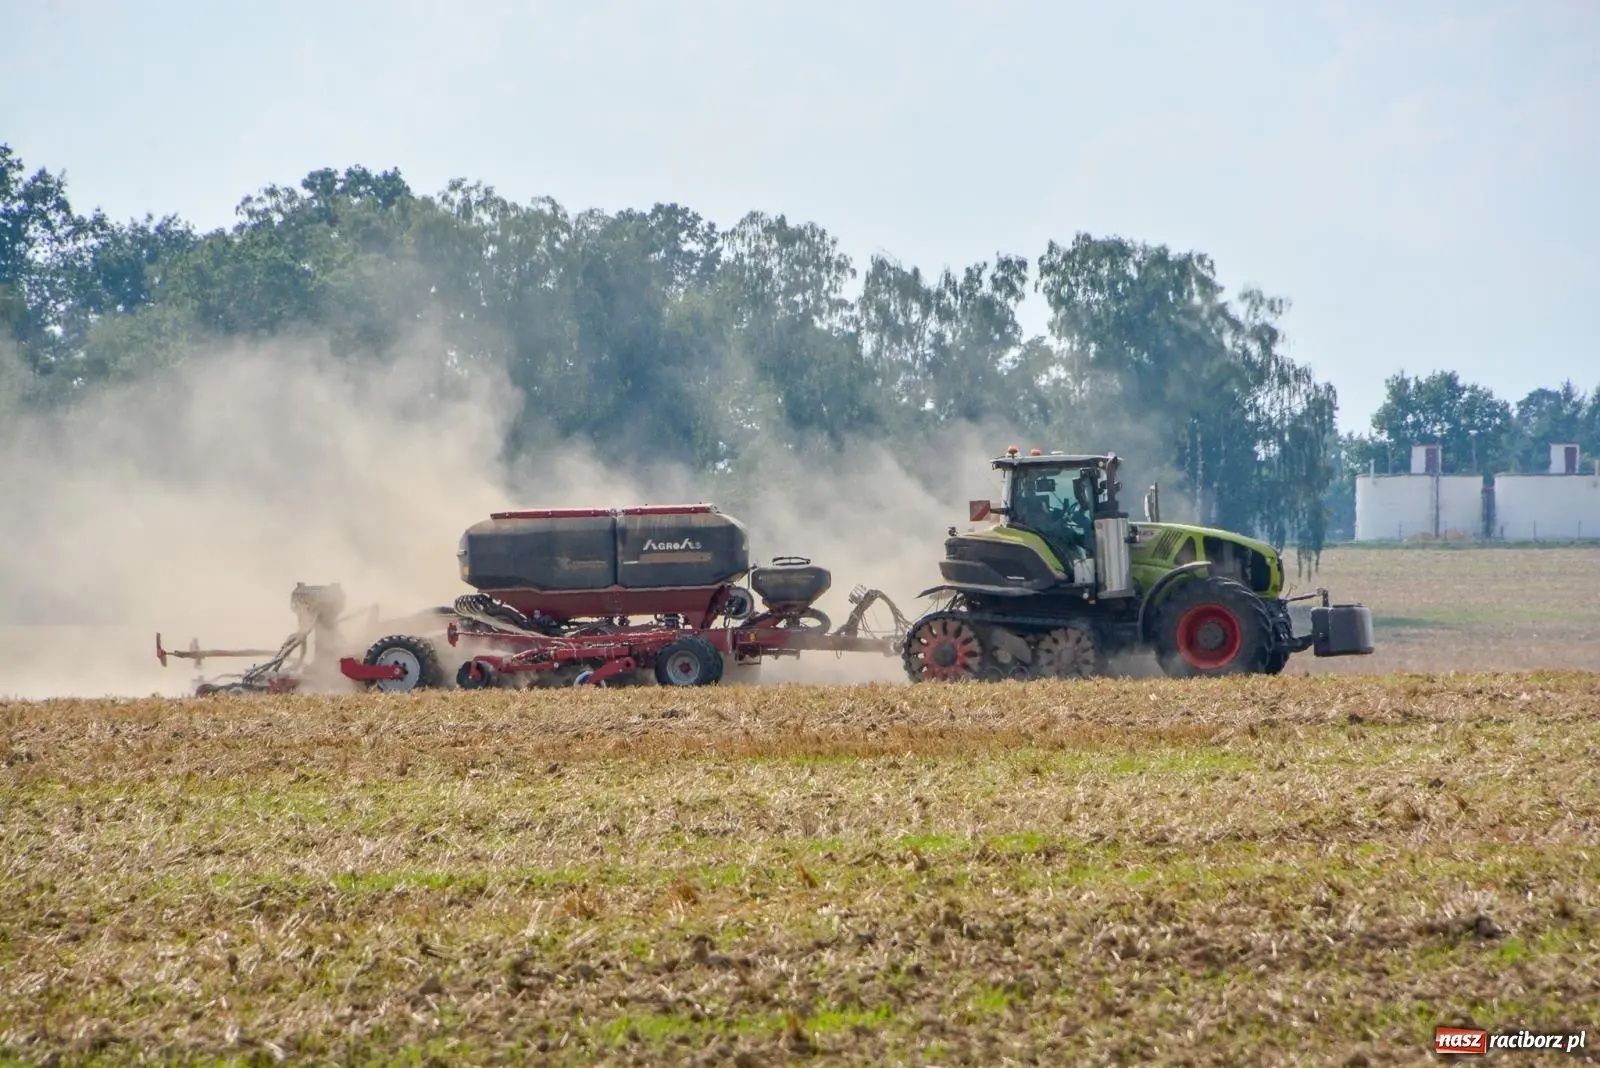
(1060,529)
(1058,502)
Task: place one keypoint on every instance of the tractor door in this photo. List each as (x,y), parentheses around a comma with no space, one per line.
(1046,504)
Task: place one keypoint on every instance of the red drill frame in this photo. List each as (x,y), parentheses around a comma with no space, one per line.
(610,649)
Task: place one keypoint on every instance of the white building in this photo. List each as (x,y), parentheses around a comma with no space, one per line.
(1560,505)
(1423,503)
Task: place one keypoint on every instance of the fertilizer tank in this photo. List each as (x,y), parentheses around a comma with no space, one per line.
(569,563)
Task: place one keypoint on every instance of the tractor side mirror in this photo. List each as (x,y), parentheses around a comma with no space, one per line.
(978,511)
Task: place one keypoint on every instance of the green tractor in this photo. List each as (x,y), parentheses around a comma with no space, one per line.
(1064,583)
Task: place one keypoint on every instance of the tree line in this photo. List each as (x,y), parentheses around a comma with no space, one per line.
(658,331)
(1478,433)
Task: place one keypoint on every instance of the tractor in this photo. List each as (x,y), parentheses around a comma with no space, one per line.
(1060,582)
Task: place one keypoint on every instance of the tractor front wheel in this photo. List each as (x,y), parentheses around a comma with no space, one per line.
(1214,626)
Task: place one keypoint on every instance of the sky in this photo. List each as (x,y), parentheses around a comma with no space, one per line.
(1417,179)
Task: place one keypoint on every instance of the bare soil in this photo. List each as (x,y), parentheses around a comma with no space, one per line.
(1466,609)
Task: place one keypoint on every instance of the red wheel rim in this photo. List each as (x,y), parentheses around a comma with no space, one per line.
(948,650)
(1209,636)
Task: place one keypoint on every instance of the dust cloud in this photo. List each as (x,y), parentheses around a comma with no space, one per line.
(867,517)
(192,501)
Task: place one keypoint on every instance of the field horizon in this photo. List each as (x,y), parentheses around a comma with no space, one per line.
(1436,607)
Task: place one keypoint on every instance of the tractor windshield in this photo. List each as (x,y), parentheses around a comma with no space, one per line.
(1050,502)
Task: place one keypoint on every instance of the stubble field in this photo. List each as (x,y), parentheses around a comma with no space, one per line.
(1466,609)
(1263,870)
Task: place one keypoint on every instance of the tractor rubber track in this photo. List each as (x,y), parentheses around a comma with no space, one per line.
(981,622)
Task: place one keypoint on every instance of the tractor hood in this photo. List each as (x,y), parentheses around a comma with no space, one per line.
(1157,529)
(1159,547)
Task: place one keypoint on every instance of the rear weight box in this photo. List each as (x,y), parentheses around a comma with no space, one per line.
(1341,630)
